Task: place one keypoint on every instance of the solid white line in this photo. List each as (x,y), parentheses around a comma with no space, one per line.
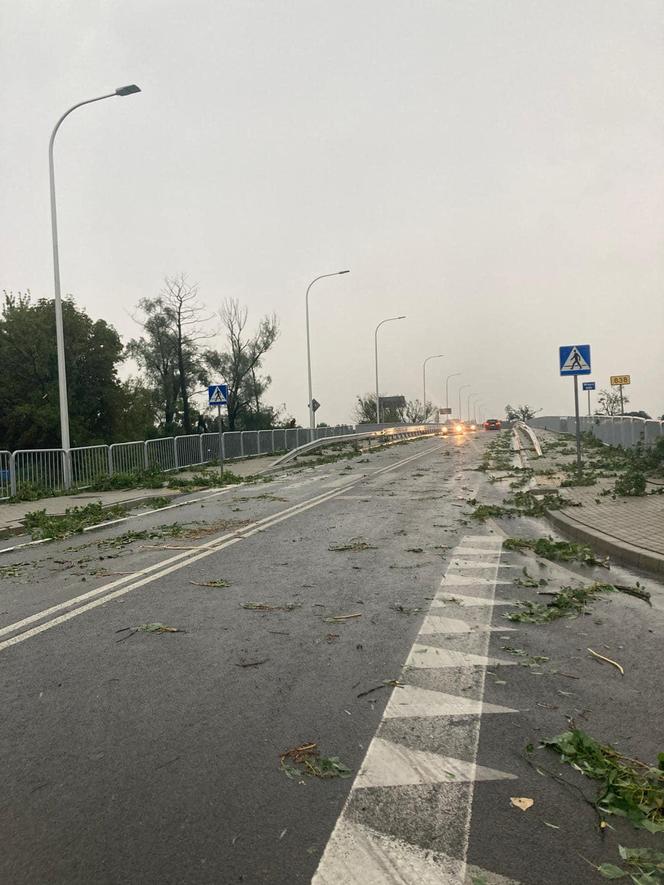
(155,567)
(180,560)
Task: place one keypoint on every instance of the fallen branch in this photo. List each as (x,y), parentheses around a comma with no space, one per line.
(608,660)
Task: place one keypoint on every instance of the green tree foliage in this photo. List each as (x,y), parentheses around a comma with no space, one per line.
(416,413)
(29,405)
(608,402)
(520,413)
(365,411)
(168,352)
(240,364)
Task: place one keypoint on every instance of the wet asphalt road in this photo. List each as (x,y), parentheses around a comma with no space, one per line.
(155,758)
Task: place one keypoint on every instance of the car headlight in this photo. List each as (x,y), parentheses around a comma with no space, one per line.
(459,428)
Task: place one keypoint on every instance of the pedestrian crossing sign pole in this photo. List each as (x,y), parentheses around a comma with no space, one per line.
(218,396)
(575,360)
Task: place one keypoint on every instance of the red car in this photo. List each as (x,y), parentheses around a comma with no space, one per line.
(492,424)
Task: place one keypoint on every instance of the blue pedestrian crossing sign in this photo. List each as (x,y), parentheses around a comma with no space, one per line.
(588,385)
(575,359)
(218,395)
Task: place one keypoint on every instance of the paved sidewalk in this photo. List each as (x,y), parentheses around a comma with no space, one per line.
(629,529)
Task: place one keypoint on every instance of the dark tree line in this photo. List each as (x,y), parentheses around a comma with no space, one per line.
(180,349)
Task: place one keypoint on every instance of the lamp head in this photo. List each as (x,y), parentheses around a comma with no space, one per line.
(127,90)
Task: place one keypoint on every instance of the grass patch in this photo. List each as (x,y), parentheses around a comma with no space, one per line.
(556,551)
(42,525)
(628,788)
(569,602)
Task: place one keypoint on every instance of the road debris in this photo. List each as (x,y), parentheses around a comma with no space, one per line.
(569,602)
(645,865)
(608,660)
(147,628)
(251,663)
(266,607)
(639,591)
(522,802)
(404,610)
(388,683)
(219,583)
(336,619)
(556,551)
(628,787)
(306,760)
(355,544)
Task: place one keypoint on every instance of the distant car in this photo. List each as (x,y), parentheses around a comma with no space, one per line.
(492,424)
(457,427)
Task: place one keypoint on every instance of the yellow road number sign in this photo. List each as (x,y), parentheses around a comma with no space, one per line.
(617,380)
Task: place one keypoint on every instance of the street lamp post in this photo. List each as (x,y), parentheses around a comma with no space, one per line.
(463,387)
(381,323)
(59,331)
(472,396)
(424,381)
(312,414)
(447,392)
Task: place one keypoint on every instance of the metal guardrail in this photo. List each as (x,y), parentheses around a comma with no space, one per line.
(391,434)
(51,470)
(616,430)
(523,427)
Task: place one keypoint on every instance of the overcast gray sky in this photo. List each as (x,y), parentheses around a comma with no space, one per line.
(491,168)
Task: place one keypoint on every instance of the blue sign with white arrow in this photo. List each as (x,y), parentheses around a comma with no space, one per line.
(218,395)
(588,385)
(575,359)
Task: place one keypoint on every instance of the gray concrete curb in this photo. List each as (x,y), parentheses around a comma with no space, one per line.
(621,551)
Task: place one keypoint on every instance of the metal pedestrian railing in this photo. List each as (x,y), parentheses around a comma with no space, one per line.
(52,470)
(613,430)
(38,469)
(88,463)
(5,475)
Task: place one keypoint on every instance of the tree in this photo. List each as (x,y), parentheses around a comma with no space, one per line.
(365,410)
(239,366)
(608,402)
(29,403)
(180,300)
(168,351)
(520,413)
(416,413)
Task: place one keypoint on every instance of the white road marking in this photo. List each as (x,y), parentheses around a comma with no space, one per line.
(389,765)
(436,623)
(151,573)
(364,857)
(410,700)
(464,601)
(360,855)
(458,580)
(429,657)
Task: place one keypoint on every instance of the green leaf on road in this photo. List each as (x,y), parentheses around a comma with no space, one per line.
(306,760)
(611,871)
